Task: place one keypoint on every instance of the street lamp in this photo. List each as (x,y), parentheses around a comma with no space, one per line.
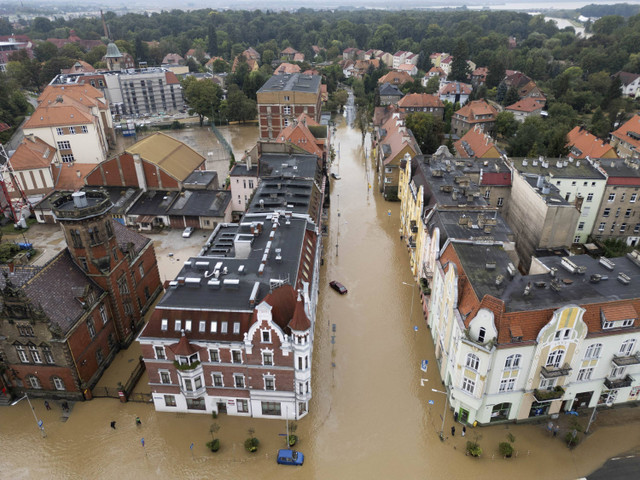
(413,293)
(608,402)
(39,423)
(444,413)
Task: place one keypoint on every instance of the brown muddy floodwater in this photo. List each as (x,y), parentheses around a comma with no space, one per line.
(370,417)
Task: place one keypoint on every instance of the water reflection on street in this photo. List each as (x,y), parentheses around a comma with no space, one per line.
(370,415)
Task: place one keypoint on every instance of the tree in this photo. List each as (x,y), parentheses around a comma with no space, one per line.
(600,125)
(385,38)
(506,124)
(212,40)
(52,67)
(459,67)
(96,54)
(433,85)
(427,130)
(193,65)
(41,24)
(239,107)
(511,97)
(45,51)
(202,96)
(220,66)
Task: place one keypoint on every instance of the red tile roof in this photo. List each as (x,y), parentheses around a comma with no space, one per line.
(614,313)
(588,145)
(476,141)
(455,88)
(420,100)
(632,126)
(527,104)
(300,321)
(396,78)
(496,179)
(70,176)
(32,153)
(183,347)
(476,108)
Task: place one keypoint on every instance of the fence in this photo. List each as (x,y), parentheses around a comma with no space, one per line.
(114,392)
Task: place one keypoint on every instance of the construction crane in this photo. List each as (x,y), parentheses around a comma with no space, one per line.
(9,183)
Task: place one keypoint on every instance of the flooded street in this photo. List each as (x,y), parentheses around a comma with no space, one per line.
(370,415)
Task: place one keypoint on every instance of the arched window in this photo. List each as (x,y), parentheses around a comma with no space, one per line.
(512,362)
(58,383)
(555,358)
(34,382)
(593,351)
(472,361)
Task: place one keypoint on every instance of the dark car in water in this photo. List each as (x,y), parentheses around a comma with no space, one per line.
(338,287)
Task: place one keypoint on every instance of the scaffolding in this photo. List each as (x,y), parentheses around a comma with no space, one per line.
(11,207)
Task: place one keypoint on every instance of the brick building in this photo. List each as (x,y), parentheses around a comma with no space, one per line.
(61,324)
(284,98)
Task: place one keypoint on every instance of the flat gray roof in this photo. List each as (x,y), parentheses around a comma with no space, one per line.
(557,167)
(294,82)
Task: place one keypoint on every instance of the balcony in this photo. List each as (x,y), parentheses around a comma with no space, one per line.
(553,372)
(626,360)
(615,383)
(548,395)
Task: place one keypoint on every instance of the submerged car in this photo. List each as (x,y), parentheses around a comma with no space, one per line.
(336,176)
(290,457)
(187,232)
(338,287)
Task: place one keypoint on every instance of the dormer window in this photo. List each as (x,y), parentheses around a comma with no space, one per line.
(190,360)
(481,334)
(617,316)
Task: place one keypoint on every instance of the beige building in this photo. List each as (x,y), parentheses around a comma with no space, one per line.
(75,119)
(539,216)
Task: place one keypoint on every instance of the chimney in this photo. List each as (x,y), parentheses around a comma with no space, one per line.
(142,180)
(78,173)
(80,199)
(247,159)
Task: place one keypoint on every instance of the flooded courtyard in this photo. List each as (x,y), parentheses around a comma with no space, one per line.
(370,416)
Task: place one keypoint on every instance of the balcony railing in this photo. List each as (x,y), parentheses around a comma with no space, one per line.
(548,395)
(553,372)
(614,383)
(625,360)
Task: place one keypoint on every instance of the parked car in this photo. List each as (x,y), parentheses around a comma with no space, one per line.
(338,287)
(290,457)
(336,176)
(187,232)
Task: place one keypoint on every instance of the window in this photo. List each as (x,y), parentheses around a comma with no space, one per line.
(593,351)
(34,382)
(286,110)
(481,334)
(601,227)
(214,355)
(581,226)
(84,129)
(623,227)
(286,98)
(606,212)
(573,184)
(472,361)
(547,383)
(606,325)
(217,380)
(236,356)
(141,270)
(91,328)
(271,408)
(48,356)
(58,383)
(266,336)
(214,327)
(187,325)
(286,122)
(269,383)
(165,377)
(223,328)
(72,130)
(103,314)
(633,197)
(178,325)
(576,239)
(622,196)
(267,358)
(122,281)
(238,381)
(68,158)
(99,356)
(555,358)
(64,145)
(589,197)
(250,183)
(197,382)
(487,194)
(617,372)
(584,374)
(188,385)
(627,213)
(164,326)
(500,201)
(617,213)
(236,328)
(512,362)
(388,170)
(243,405)
(627,347)
(612,197)
(468,385)
(35,354)
(160,354)
(190,360)
(636,229)
(59,131)
(127,307)
(25,330)
(507,385)
(169,400)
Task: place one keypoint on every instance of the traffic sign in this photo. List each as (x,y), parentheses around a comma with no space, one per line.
(431,402)
(40,423)
(424,364)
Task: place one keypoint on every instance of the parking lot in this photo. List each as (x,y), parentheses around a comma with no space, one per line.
(171,248)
